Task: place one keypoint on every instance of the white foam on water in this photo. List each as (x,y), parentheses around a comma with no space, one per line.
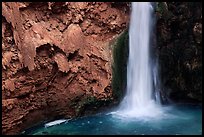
(56,122)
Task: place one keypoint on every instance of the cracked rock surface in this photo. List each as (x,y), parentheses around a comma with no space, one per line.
(55,54)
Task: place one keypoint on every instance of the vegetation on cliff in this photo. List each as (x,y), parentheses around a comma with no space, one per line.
(119,65)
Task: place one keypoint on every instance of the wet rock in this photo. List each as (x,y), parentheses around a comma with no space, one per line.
(180,51)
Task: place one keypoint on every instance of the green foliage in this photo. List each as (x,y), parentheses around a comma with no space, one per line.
(119,66)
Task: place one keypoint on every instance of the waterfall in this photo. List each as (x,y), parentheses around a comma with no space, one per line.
(141,74)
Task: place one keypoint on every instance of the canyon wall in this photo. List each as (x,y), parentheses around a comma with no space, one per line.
(57,59)
(179,48)
(67,59)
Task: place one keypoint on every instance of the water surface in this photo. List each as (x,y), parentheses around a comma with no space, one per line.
(176,120)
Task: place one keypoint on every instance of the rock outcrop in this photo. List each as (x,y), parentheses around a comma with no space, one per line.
(179,43)
(56,59)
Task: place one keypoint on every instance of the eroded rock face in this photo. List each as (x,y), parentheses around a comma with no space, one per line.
(179,39)
(54,55)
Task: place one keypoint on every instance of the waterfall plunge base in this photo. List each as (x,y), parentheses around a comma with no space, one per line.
(177,121)
(138,101)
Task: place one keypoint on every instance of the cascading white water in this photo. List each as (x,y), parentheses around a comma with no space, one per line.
(138,100)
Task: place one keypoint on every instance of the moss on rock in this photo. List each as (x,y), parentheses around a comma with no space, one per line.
(119,66)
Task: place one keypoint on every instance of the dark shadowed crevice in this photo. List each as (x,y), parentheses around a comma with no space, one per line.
(119,66)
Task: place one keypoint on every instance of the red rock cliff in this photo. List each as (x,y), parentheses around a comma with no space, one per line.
(56,57)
